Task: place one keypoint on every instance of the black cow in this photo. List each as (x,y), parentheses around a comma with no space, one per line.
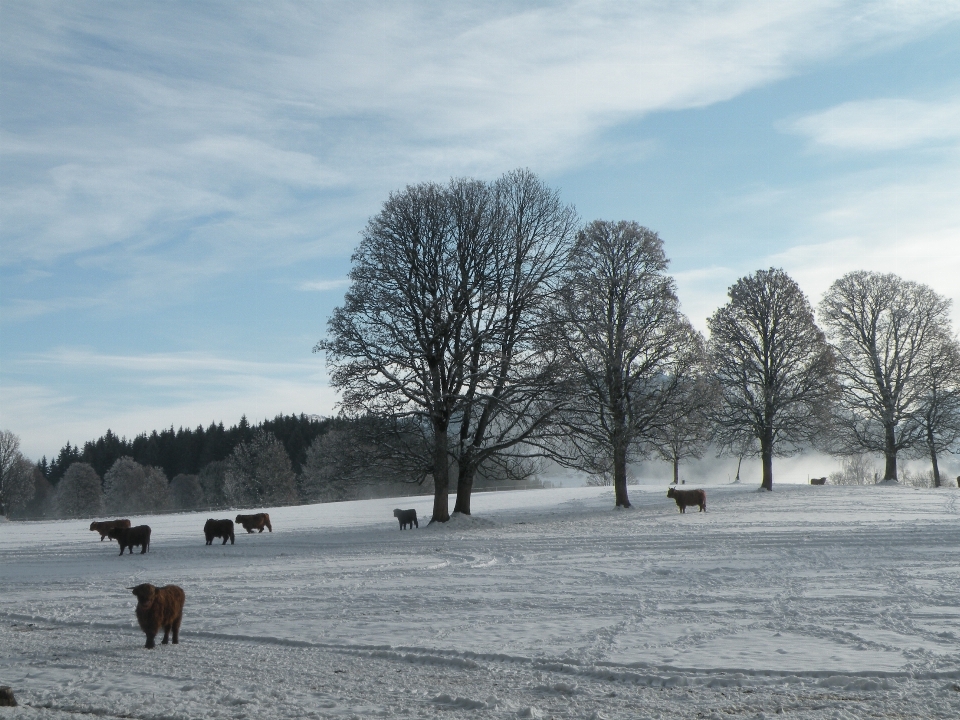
(128,537)
(218,529)
(406,517)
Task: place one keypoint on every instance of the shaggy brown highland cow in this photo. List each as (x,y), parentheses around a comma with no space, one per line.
(258,521)
(105,526)
(218,529)
(159,608)
(688,497)
(128,537)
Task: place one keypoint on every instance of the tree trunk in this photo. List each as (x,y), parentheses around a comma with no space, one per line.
(933,458)
(890,452)
(441,475)
(465,475)
(676,471)
(766,457)
(620,476)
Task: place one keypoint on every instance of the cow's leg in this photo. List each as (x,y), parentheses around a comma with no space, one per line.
(166,635)
(176,629)
(151,640)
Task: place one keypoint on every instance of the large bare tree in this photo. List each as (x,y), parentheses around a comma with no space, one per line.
(773,368)
(627,347)
(435,325)
(883,330)
(508,399)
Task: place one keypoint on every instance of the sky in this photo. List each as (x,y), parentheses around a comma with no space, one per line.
(182,184)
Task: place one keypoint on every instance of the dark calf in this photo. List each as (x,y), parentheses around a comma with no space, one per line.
(218,529)
(406,517)
(688,497)
(128,537)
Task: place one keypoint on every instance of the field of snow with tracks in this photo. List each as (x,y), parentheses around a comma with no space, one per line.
(808,602)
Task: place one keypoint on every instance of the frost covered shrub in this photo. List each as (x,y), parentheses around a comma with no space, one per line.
(338,464)
(16,475)
(129,487)
(211,480)
(855,470)
(605,479)
(921,479)
(259,473)
(79,493)
(186,492)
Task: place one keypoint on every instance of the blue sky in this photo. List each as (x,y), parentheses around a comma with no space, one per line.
(183,183)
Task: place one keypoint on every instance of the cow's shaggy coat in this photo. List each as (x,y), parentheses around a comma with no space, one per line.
(218,529)
(105,526)
(128,537)
(818,481)
(406,517)
(259,521)
(159,608)
(688,497)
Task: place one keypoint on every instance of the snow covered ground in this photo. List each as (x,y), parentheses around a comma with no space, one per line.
(808,602)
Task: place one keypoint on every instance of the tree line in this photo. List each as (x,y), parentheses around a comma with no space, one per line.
(496,330)
(287,460)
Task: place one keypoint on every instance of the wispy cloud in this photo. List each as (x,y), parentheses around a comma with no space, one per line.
(226,125)
(324,285)
(881,124)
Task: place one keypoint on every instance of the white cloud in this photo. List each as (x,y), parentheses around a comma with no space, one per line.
(882,124)
(324,285)
(156,122)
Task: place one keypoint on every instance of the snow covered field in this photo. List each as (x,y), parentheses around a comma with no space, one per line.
(810,602)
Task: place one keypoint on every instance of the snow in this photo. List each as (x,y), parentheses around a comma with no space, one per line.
(808,602)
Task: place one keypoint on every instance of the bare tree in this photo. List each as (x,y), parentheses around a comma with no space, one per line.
(397,344)
(773,368)
(434,326)
(79,493)
(16,475)
(689,432)
(259,473)
(883,330)
(939,416)
(626,345)
(507,409)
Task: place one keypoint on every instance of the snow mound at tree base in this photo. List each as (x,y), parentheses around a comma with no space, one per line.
(459,521)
